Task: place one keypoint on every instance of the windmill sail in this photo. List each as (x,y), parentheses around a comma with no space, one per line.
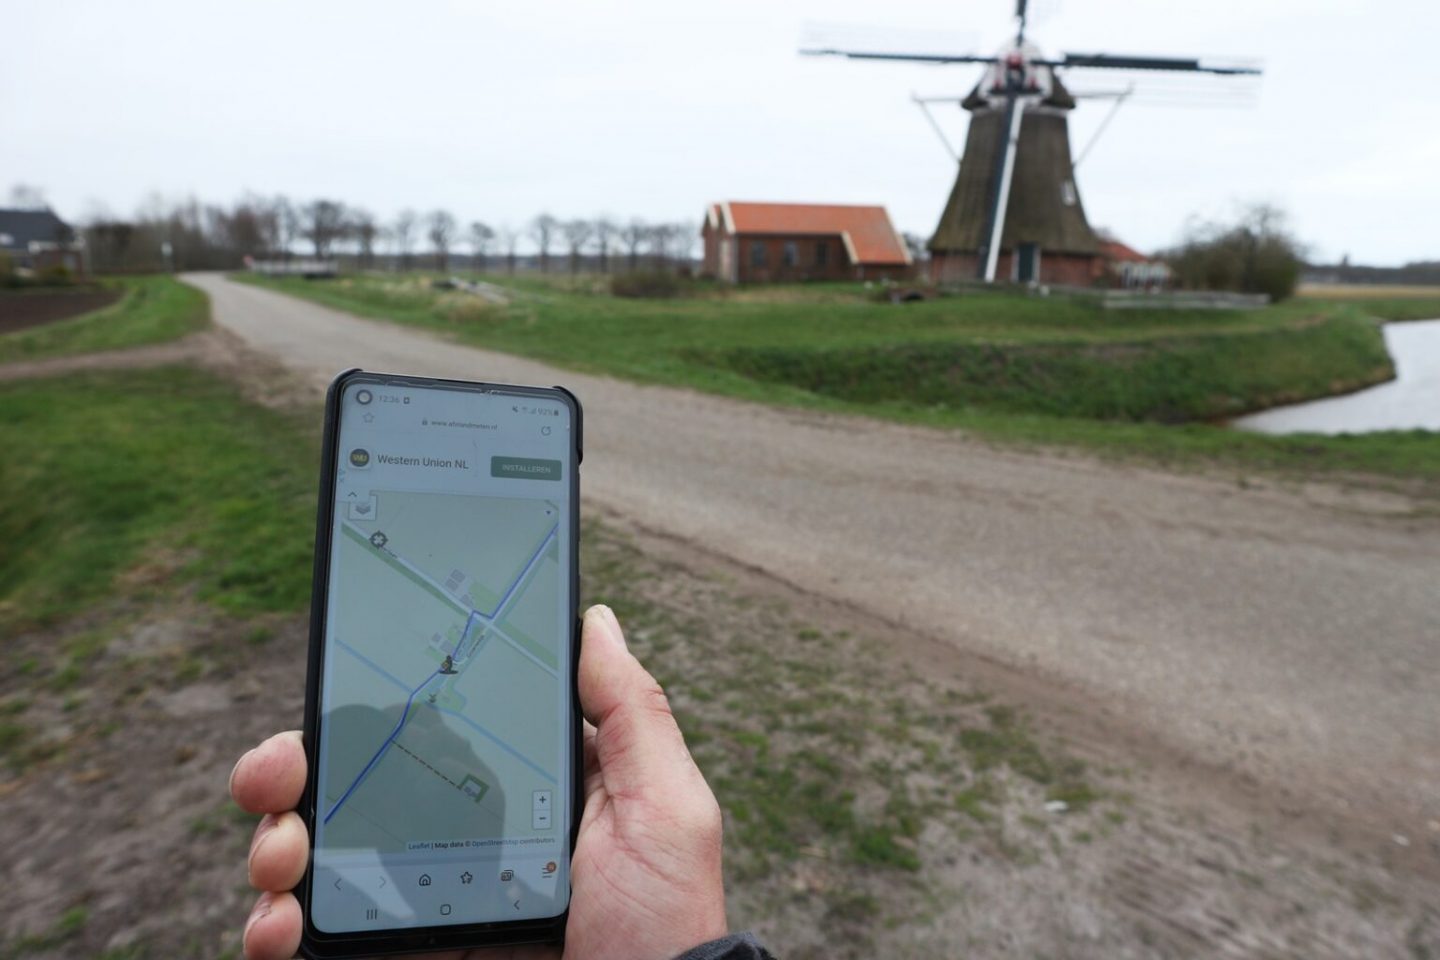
(1015,209)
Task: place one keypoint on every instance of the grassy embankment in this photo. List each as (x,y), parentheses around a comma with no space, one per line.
(1135,383)
(133,494)
(150,310)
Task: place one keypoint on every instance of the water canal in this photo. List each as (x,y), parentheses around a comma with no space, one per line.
(1410,401)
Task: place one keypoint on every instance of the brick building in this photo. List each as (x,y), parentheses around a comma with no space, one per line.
(1131,269)
(786,242)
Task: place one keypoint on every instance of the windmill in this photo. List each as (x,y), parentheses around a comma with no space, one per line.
(1015,193)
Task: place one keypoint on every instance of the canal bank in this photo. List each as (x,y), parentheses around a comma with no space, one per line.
(1411,401)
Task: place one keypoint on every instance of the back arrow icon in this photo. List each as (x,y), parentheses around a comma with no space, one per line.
(337,883)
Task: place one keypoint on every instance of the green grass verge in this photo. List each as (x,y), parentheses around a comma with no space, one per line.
(165,475)
(151,310)
(1169,379)
(821,747)
(1023,370)
(1402,308)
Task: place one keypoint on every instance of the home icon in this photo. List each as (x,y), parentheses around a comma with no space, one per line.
(424,879)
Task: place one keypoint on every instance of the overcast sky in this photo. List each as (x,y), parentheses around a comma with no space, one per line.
(655,107)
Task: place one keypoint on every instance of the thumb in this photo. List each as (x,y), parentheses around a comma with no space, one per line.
(638,743)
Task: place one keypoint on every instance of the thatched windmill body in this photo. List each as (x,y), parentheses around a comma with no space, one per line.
(1015,211)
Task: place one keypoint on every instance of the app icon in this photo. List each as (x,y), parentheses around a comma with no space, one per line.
(360,457)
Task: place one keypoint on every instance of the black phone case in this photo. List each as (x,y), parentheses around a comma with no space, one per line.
(325,946)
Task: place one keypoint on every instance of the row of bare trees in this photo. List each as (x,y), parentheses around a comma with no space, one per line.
(189,235)
(606,239)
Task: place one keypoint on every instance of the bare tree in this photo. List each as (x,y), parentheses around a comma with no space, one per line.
(1253,254)
(606,231)
(542,231)
(509,237)
(267,223)
(243,227)
(115,244)
(919,254)
(287,223)
(632,235)
(658,238)
(683,239)
(440,229)
(577,234)
(324,224)
(364,230)
(482,235)
(402,233)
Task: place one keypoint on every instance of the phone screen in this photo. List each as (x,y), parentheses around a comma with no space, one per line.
(444,786)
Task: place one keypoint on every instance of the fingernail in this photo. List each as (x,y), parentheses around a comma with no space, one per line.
(260,912)
(267,825)
(235,769)
(261,834)
(611,625)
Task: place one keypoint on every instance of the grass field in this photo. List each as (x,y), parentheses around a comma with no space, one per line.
(162,504)
(165,469)
(154,570)
(1373,291)
(1140,384)
(152,310)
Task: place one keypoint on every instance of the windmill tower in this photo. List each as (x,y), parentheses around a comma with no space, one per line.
(1015,211)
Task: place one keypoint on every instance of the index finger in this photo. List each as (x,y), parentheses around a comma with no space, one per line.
(270,778)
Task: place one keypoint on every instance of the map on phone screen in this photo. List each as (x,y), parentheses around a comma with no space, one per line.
(444,736)
(472,584)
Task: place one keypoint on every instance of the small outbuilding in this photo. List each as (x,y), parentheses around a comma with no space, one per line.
(786,242)
(35,241)
(1131,269)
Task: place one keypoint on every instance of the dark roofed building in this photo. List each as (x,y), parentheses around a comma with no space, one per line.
(767,242)
(37,240)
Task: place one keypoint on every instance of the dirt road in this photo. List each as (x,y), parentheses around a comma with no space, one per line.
(1289,636)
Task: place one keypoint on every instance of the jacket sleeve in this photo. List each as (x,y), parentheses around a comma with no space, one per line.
(737,946)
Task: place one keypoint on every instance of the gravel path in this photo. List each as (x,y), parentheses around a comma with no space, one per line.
(1288,635)
(194,347)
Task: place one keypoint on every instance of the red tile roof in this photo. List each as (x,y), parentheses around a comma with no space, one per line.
(866,231)
(1115,250)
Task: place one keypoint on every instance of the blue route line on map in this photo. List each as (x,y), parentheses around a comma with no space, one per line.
(371,664)
(405,714)
(459,716)
(523,571)
(464,630)
(500,743)
(383,747)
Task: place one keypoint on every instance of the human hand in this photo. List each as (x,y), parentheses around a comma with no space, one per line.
(645,877)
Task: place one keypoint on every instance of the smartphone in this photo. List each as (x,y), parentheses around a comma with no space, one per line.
(442,724)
